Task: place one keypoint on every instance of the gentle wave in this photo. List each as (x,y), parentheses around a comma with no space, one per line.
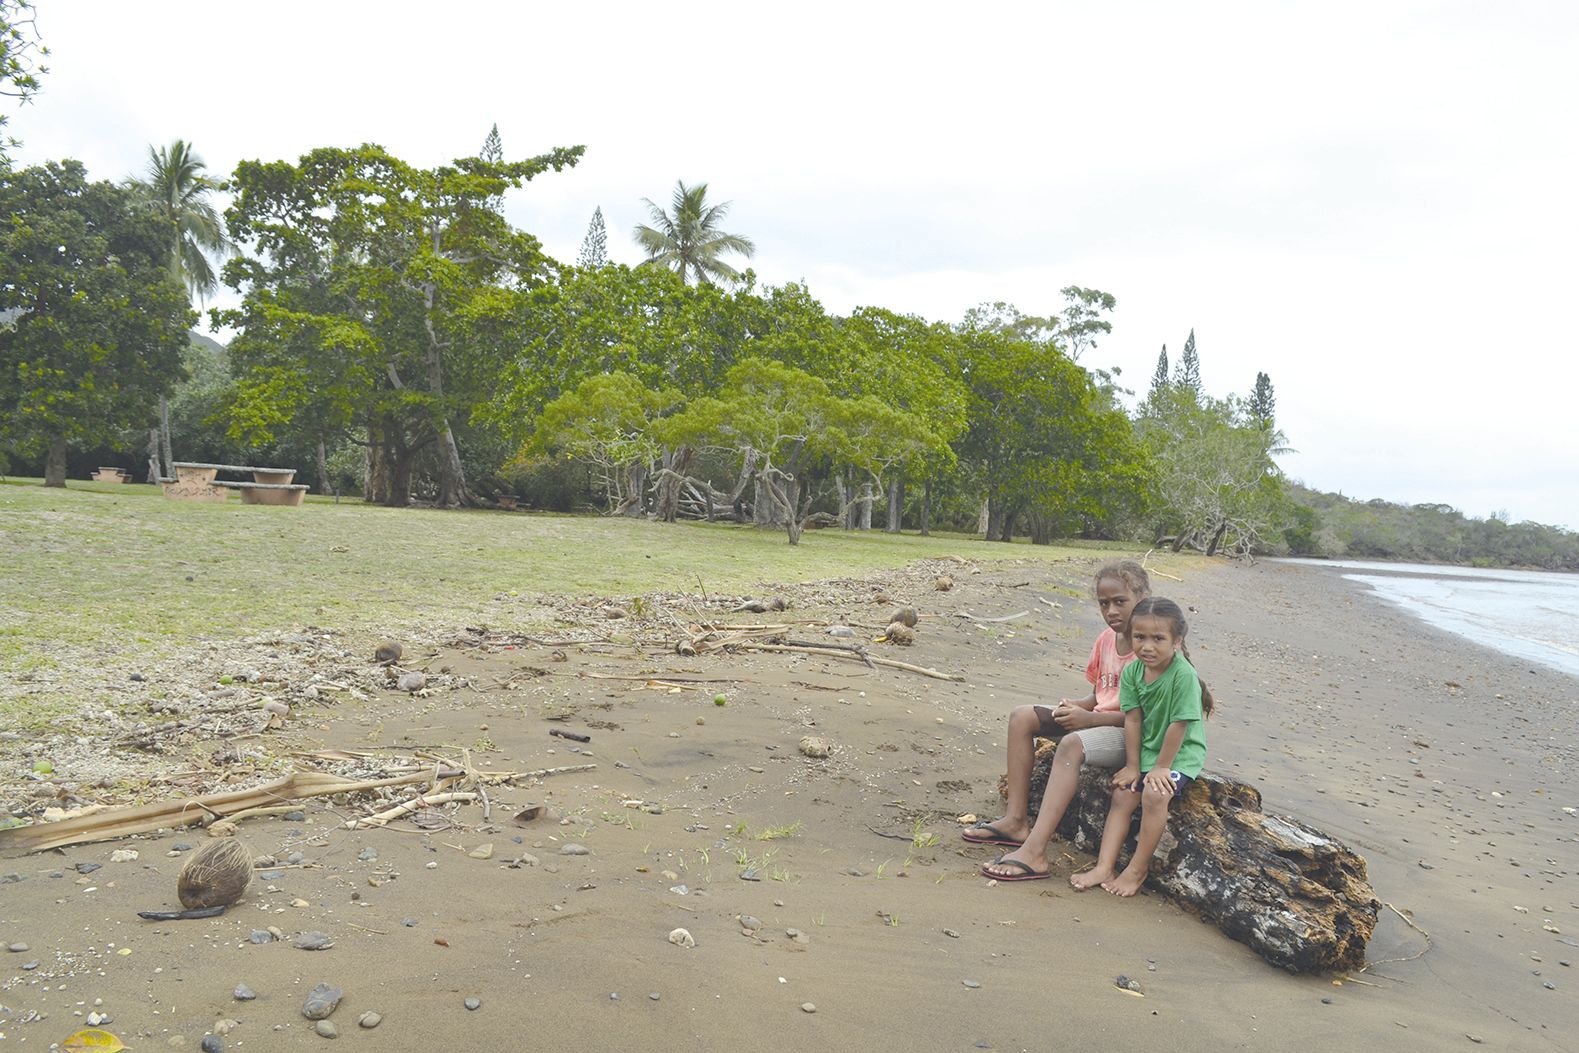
(1532,615)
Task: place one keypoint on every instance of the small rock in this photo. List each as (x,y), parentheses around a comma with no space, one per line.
(123,855)
(87,868)
(951,934)
(750,874)
(28,967)
(473,1003)
(314,941)
(431,865)
(296,817)
(807,1007)
(260,936)
(573,849)
(321,1001)
(972,984)
(682,938)
(1326,1001)
(483,851)
(211,1044)
(614,996)
(815,747)
(749,923)
(842,631)
(137,678)
(797,935)
(17,948)
(294,858)
(368,854)
(326,1029)
(409,923)
(412,681)
(243,993)
(654,995)
(180,846)
(369,1020)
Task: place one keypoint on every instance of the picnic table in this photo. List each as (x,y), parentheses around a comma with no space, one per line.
(199,482)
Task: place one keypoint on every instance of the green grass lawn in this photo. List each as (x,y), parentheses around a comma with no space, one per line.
(111,569)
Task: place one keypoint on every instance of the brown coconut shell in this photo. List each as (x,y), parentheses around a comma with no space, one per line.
(216,875)
(900,633)
(944,583)
(906,616)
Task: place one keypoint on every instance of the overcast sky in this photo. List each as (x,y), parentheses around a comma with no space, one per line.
(1374,203)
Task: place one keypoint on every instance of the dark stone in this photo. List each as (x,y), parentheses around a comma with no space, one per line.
(1296,896)
(87,868)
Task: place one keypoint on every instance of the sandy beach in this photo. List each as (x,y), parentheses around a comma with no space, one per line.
(1440,762)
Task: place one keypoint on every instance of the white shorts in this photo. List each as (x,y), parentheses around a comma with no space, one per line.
(1104,746)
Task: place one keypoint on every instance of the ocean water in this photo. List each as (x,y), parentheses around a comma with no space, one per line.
(1529,614)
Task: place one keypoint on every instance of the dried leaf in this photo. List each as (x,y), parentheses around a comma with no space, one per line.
(95,1039)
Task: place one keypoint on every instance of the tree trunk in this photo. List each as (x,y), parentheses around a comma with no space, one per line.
(398,464)
(984,521)
(791,494)
(375,485)
(667,499)
(1217,538)
(453,492)
(992,515)
(55,462)
(155,472)
(926,509)
(866,506)
(636,480)
(846,505)
(896,503)
(323,469)
(165,452)
(1296,896)
(748,469)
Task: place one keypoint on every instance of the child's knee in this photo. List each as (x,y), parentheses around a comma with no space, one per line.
(1070,750)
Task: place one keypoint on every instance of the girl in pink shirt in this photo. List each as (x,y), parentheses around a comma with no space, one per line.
(1091,730)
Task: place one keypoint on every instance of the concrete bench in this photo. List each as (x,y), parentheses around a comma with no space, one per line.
(111,475)
(266,493)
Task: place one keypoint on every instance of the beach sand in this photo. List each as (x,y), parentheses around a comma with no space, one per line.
(1440,762)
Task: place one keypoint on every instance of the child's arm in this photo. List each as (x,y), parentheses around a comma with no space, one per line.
(1127,775)
(1157,779)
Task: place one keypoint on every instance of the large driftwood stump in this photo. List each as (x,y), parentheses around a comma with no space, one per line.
(1296,896)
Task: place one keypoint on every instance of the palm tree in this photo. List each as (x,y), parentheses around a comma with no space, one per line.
(178,190)
(688,239)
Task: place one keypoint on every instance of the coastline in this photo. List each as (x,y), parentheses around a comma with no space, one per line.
(1343,710)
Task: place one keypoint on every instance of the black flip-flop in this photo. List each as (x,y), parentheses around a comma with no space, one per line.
(998,837)
(1029,873)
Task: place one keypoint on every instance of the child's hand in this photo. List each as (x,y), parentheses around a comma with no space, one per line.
(1124,778)
(1159,780)
(1071,717)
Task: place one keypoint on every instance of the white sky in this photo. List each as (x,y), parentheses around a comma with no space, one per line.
(1374,203)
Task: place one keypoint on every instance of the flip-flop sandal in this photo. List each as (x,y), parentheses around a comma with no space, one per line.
(1029,873)
(998,837)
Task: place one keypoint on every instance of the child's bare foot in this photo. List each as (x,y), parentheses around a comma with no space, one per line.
(1091,878)
(1016,866)
(1003,831)
(1127,883)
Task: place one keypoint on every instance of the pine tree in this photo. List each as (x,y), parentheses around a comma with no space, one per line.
(1263,404)
(1159,379)
(1188,375)
(595,246)
(492,147)
(493,152)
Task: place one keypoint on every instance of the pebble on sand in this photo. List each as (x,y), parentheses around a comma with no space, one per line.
(321,1001)
(326,1029)
(243,993)
(682,938)
(369,1020)
(473,1003)
(573,849)
(816,747)
(807,1007)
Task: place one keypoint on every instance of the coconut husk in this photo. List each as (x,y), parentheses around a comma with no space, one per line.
(900,633)
(216,875)
(905,615)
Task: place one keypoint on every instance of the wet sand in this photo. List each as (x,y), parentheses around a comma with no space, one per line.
(1342,710)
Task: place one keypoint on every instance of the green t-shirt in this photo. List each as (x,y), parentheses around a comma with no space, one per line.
(1175,695)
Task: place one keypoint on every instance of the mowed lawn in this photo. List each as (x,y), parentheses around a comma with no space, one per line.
(113,569)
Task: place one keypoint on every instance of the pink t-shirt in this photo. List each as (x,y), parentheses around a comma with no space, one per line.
(1103,669)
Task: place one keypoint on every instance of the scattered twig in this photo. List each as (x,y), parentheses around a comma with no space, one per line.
(1409,922)
(364,928)
(390,814)
(984,621)
(891,837)
(891,663)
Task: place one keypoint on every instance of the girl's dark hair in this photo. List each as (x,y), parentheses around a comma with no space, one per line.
(1158,607)
(1132,574)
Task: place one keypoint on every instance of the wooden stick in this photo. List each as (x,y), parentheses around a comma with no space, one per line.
(984,621)
(544,772)
(390,814)
(143,819)
(891,663)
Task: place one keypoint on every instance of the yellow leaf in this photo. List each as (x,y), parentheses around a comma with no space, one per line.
(93,1038)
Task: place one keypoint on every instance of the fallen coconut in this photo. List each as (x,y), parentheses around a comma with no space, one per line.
(388,651)
(944,583)
(900,633)
(816,748)
(216,875)
(907,615)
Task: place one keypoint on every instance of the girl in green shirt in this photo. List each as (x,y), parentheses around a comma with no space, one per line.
(1164,705)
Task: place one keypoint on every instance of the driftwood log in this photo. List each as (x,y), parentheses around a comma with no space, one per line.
(1294,895)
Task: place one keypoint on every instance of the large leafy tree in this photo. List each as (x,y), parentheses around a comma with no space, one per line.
(20,51)
(688,240)
(386,295)
(95,324)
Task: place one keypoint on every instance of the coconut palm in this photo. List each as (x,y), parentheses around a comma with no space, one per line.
(688,240)
(178,190)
